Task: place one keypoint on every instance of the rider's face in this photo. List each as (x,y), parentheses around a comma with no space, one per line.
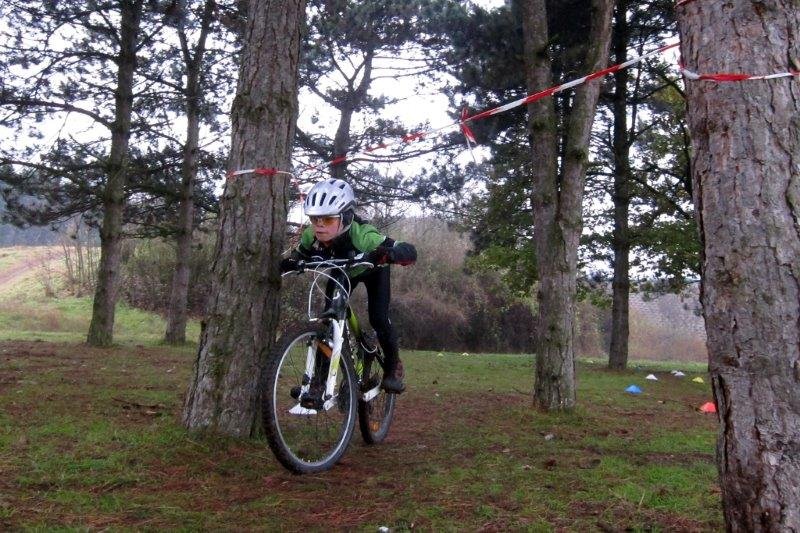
(326,228)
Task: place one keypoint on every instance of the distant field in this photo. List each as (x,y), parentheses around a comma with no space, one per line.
(19,264)
(27,313)
(667,328)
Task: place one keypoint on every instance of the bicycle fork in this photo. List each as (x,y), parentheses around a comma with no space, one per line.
(335,356)
(330,395)
(333,369)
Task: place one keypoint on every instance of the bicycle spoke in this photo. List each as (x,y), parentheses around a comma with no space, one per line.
(307,439)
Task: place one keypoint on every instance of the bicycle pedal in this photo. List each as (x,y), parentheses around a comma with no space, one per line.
(312,403)
(371,383)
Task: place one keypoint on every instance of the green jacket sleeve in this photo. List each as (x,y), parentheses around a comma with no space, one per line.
(365,237)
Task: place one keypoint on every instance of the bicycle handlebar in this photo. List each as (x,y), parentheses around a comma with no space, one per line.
(356,261)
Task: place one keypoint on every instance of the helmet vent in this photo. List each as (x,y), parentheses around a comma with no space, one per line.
(328,198)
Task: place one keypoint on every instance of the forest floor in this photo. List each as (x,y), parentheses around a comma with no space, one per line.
(91,439)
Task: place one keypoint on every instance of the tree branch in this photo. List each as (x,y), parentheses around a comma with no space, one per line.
(34,102)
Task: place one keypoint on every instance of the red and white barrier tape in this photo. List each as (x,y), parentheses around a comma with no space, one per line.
(462,122)
(726,76)
(258,171)
(464,119)
(570,84)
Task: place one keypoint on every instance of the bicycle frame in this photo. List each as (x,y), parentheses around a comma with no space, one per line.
(340,315)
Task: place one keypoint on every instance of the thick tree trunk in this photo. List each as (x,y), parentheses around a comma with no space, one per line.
(557,199)
(101,328)
(341,142)
(242,313)
(350,104)
(620,240)
(177,312)
(746,183)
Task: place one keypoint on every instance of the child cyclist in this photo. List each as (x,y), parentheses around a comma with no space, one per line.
(336,233)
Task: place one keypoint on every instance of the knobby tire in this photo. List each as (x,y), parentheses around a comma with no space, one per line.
(328,432)
(375,416)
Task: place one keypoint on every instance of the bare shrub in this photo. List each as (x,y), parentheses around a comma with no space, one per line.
(81,257)
(147,272)
(439,305)
(425,323)
(47,274)
(148,267)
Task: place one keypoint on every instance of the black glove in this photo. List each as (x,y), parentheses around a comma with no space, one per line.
(288,264)
(381,255)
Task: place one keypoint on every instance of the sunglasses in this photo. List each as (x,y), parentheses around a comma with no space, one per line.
(328,220)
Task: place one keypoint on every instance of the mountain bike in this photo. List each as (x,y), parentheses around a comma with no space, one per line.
(323,375)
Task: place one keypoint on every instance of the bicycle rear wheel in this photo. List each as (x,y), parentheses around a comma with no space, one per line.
(375,414)
(307,439)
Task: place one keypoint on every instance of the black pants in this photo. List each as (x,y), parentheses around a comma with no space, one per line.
(379,293)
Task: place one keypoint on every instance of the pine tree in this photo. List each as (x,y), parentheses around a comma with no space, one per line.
(746,186)
(645,117)
(72,59)
(351,44)
(558,185)
(242,312)
(199,88)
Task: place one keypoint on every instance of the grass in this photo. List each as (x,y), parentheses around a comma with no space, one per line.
(14,255)
(67,320)
(26,313)
(91,439)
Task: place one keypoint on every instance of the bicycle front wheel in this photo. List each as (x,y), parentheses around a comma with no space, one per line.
(376,411)
(304,437)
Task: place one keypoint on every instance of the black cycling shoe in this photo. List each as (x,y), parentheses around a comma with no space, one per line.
(295,391)
(393,381)
(313,398)
(393,385)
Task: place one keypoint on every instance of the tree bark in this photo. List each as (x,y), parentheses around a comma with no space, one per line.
(177,312)
(242,315)
(746,184)
(101,328)
(620,240)
(557,198)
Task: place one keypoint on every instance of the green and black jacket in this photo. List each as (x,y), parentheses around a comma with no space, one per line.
(359,238)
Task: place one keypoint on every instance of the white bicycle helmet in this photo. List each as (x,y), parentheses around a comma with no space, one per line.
(329,197)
